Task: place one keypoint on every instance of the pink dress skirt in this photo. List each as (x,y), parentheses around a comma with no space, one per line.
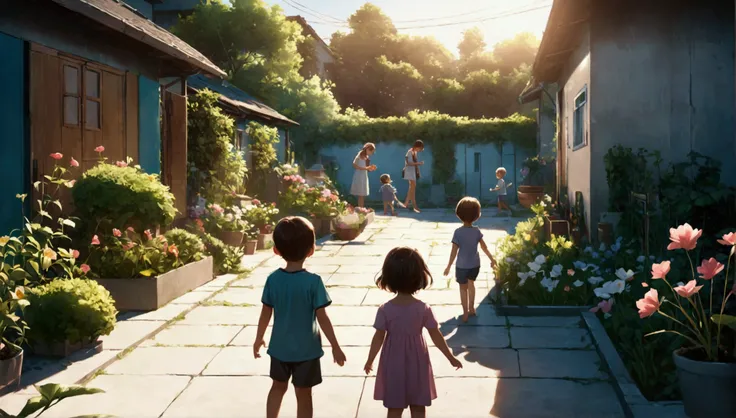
(404,375)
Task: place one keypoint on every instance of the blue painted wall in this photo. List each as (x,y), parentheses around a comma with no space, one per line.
(145,8)
(13,151)
(149,125)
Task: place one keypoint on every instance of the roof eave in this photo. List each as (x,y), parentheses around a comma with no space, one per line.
(542,71)
(244,111)
(131,31)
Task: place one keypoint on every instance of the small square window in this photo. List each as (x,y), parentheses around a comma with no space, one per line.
(92,84)
(476,162)
(71,110)
(578,119)
(92,115)
(71,80)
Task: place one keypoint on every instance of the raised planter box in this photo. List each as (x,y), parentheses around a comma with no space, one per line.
(516,310)
(64,349)
(151,293)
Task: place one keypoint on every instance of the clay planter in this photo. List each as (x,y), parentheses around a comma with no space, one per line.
(348,234)
(265,229)
(529,195)
(249,246)
(707,387)
(10,370)
(64,349)
(151,293)
(264,240)
(555,226)
(322,226)
(231,238)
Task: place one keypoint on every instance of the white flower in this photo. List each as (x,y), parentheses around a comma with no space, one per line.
(599,292)
(610,288)
(579,265)
(548,198)
(522,282)
(602,247)
(624,274)
(640,259)
(577,283)
(542,204)
(540,259)
(522,276)
(534,267)
(556,270)
(549,284)
(595,280)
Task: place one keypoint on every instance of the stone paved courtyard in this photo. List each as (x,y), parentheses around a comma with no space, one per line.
(202,365)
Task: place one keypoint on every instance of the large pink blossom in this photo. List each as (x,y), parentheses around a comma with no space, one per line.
(100,149)
(73,162)
(710,268)
(57,155)
(85,268)
(728,239)
(688,290)
(649,304)
(660,271)
(684,237)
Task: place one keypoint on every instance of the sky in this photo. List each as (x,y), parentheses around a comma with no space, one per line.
(498,19)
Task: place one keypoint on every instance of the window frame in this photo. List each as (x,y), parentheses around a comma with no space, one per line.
(77,95)
(583,108)
(98,100)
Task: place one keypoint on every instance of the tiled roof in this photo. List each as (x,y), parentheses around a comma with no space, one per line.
(118,16)
(237,98)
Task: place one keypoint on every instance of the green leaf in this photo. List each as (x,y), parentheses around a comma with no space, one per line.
(725,320)
(148,273)
(34,264)
(36,185)
(69,222)
(33,405)
(58,204)
(49,391)
(76,390)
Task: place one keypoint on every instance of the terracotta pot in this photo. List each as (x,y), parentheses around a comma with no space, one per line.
(707,387)
(322,226)
(231,238)
(10,370)
(347,234)
(265,229)
(531,189)
(250,246)
(527,199)
(264,240)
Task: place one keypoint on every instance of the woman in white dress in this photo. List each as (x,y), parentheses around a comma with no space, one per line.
(411,172)
(362,165)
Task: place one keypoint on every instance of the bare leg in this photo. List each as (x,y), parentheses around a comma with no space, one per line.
(275,396)
(394,413)
(471,297)
(393,211)
(464,300)
(408,193)
(385,207)
(304,402)
(361,201)
(418,411)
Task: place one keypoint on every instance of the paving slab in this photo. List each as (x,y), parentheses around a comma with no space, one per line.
(450,315)
(527,337)
(126,333)
(245,397)
(545,321)
(247,336)
(352,315)
(347,296)
(476,337)
(477,362)
(240,296)
(192,297)
(67,371)
(238,361)
(223,315)
(575,364)
(164,361)
(196,335)
(164,313)
(124,397)
(363,280)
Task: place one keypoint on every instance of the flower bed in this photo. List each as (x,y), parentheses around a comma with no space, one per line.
(352,222)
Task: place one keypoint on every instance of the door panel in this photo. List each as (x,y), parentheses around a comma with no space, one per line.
(113,127)
(131,116)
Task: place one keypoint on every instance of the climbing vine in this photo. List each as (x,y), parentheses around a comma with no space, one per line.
(440,131)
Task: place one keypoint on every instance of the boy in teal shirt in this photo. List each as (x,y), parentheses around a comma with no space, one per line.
(297,299)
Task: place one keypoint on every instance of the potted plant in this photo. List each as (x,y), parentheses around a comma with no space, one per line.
(66,315)
(250,244)
(228,224)
(533,183)
(12,329)
(348,226)
(706,365)
(263,217)
(325,206)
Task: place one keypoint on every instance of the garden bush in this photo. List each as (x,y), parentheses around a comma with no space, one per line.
(190,246)
(110,195)
(226,259)
(69,310)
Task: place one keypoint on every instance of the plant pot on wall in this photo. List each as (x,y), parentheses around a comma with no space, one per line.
(249,247)
(10,369)
(231,238)
(528,195)
(707,387)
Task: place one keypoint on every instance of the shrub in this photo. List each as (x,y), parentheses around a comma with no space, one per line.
(73,310)
(226,258)
(108,195)
(191,248)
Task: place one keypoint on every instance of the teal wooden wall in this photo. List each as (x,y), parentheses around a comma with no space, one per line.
(149,125)
(13,145)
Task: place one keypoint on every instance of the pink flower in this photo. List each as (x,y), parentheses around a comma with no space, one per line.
(644,284)
(256,202)
(567,288)
(287,178)
(688,290)
(684,237)
(148,234)
(117,232)
(326,193)
(173,250)
(57,155)
(100,149)
(95,240)
(728,239)
(660,271)
(649,304)
(710,268)
(73,162)
(128,245)
(71,183)
(570,272)
(604,306)
(85,268)
(130,229)
(75,253)
(121,163)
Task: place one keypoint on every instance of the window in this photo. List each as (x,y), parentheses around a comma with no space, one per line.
(92,100)
(239,139)
(476,162)
(71,95)
(578,120)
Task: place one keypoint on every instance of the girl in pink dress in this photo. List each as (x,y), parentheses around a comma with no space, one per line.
(404,378)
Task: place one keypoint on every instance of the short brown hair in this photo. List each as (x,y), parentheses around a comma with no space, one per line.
(404,271)
(385,178)
(293,238)
(468,209)
(418,144)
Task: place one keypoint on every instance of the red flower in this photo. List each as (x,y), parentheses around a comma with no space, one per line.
(100,149)
(85,268)
(117,232)
(95,240)
(73,162)
(57,155)
(148,234)
(75,253)
(173,250)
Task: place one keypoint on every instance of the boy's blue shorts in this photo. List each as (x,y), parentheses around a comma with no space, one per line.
(463,275)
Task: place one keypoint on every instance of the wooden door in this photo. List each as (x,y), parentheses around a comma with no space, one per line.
(175,148)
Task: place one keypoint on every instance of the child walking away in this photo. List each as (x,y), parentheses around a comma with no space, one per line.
(388,194)
(297,299)
(501,187)
(465,242)
(404,378)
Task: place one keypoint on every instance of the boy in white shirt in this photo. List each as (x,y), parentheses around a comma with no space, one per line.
(501,187)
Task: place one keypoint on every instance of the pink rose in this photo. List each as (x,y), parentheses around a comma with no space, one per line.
(73,162)
(85,268)
(57,155)
(100,149)
(684,237)
(95,240)
(117,232)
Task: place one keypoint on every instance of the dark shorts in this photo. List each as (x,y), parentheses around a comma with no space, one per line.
(502,198)
(463,275)
(303,374)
